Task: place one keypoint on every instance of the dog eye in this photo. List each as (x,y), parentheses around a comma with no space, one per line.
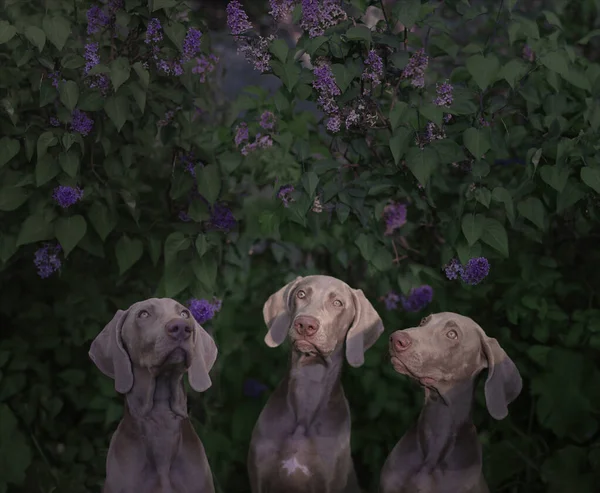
(184,314)
(143,314)
(300,294)
(337,303)
(424,320)
(451,334)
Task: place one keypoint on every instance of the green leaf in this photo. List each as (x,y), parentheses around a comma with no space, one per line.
(36,37)
(47,93)
(11,198)
(175,243)
(310,181)
(14,448)
(139,95)
(555,176)
(365,245)
(568,197)
(69,162)
(500,194)
(399,143)
(9,148)
(343,77)
(422,163)
(209,182)
(117,109)
(205,270)
(8,247)
(201,245)
(407,12)
(477,141)
(119,72)
(7,32)
(532,208)
(155,5)
(154,249)
(69,94)
(535,159)
(448,151)
(34,229)
(142,73)
(555,61)
(269,224)
(289,73)
(47,139)
(46,168)
(128,251)
(342,211)
(583,41)
(513,71)
(398,114)
(483,69)
(57,30)
(432,112)
(483,196)
(472,227)
(358,33)
(495,236)
(382,259)
(101,219)
(280,49)
(69,231)
(589,176)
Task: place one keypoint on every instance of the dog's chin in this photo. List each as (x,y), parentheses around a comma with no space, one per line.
(308,351)
(176,360)
(402,368)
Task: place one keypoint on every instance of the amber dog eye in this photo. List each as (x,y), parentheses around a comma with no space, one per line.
(338,303)
(185,314)
(424,320)
(300,294)
(452,334)
(143,314)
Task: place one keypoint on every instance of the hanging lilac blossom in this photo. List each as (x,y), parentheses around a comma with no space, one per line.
(267,120)
(205,65)
(55,122)
(483,122)
(154,33)
(453,269)
(528,53)
(92,58)
(191,44)
(324,84)
(352,118)
(203,310)
(285,195)
(167,118)
(54,77)
(281,9)
(391,300)
(374,69)
(97,19)
(334,123)
(46,259)
(81,123)
(318,15)
(417,299)
(241,134)
(415,69)
(394,215)
(65,196)
(189,163)
(237,19)
(222,218)
(256,51)
(260,142)
(475,270)
(444,94)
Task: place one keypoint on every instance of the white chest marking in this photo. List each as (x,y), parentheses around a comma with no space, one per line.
(291,465)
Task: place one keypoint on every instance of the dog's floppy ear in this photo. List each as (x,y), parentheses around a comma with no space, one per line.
(504,382)
(205,355)
(365,330)
(276,312)
(109,354)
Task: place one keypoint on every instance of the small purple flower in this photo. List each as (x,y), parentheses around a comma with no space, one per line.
(319,15)
(374,69)
(417,299)
(241,133)
(168,118)
(203,310)
(54,77)
(334,124)
(205,65)
(54,121)
(256,51)
(92,58)
(222,218)
(280,9)
(453,269)
(189,163)
(46,259)
(327,89)
(483,122)
(528,53)
(432,132)
(260,142)
(475,270)
(267,120)
(81,123)
(96,19)
(391,300)
(154,32)
(191,44)
(444,94)
(237,19)
(253,388)
(394,215)
(415,69)
(65,196)
(285,195)
(183,216)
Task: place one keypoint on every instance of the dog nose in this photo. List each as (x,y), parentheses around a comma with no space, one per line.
(306,325)
(179,330)
(400,341)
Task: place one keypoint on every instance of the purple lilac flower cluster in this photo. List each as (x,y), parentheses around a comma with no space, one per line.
(205,65)
(417,299)
(473,272)
(204,310)
(324,84)
(222,218)
(260,142)
(373,71)
(81,123)
(189,162)
(168,117)
(318,15)
(391,300)
(281,9)
(267,121)
(285,194)
(46,259)
(254,48)
(444,94)
(394,215)
(360,112)
(54,77)
(92,58)
(528,53)
(55,122)
(415,68)
(65,196)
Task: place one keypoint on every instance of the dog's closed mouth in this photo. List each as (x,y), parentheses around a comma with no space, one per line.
(176,357)
(306,348)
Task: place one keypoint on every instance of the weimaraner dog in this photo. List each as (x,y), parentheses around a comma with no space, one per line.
(301,442)
(441,452)
(146,349)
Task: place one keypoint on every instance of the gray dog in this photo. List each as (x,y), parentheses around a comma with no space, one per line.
(441,452)
(301,442)
(147,349)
